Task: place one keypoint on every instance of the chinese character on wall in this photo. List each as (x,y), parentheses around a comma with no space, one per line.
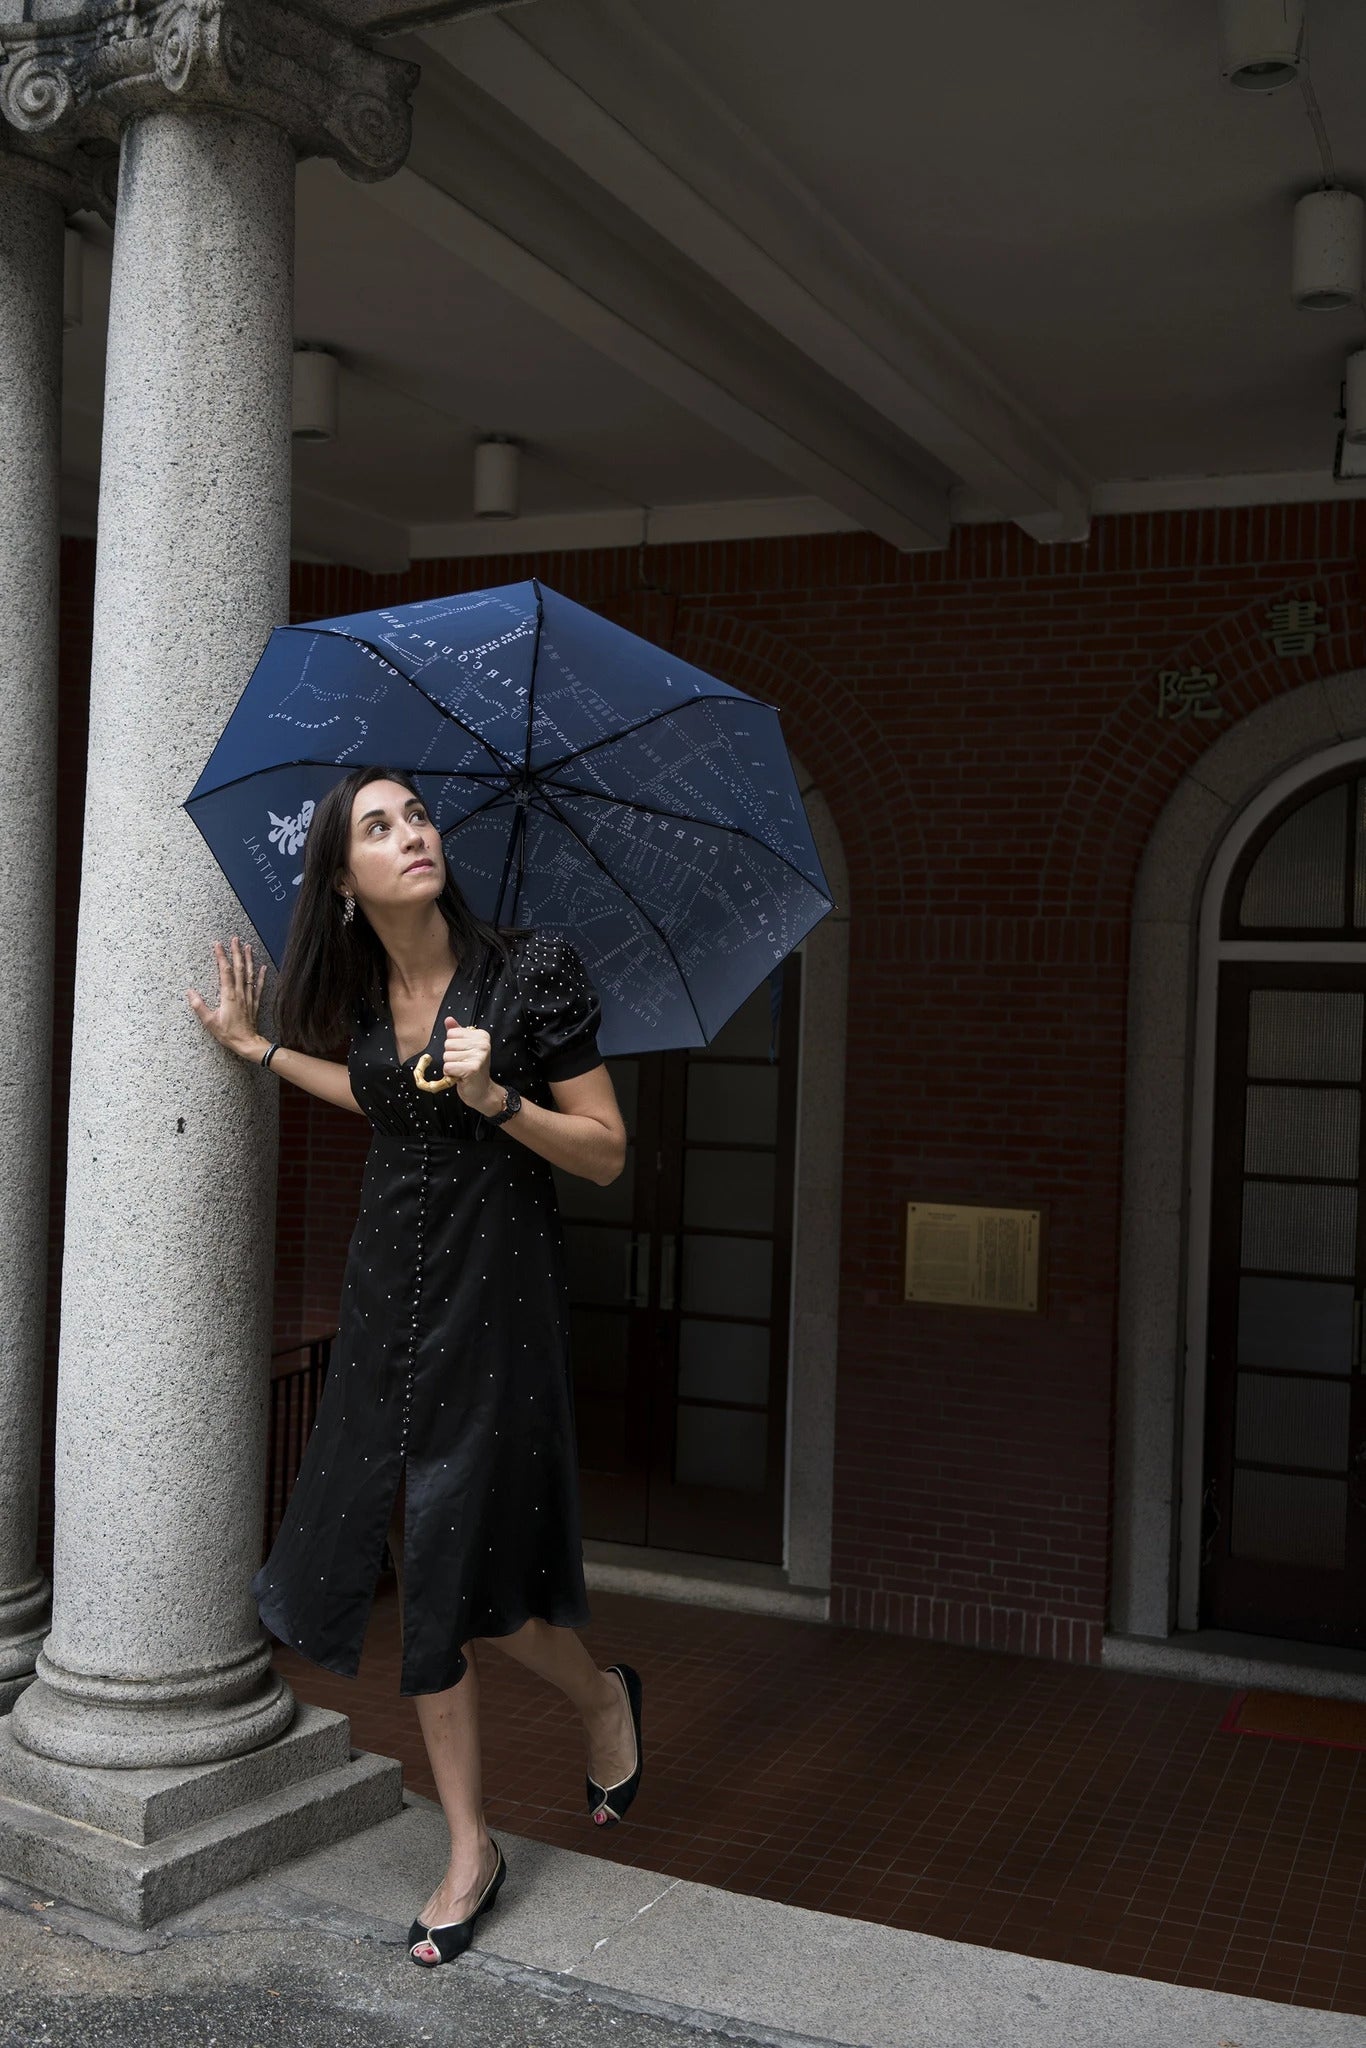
(1294,625)
(1188,692)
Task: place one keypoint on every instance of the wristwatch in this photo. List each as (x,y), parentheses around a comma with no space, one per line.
(512,1102)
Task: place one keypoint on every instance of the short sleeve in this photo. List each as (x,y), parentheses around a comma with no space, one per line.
(563,1011)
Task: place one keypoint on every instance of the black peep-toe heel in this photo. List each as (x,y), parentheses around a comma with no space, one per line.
(455,1936)
(608,1803)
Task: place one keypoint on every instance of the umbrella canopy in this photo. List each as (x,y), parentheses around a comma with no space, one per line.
(582,779)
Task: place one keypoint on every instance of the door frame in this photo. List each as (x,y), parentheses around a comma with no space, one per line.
(1250,770)
(1213,952)
(818,1173)
(1283,1600)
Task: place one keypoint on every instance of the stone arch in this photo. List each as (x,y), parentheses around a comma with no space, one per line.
(871,800)
(1294,728)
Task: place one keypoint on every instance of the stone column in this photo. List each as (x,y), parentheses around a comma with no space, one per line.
(156,1670)
(32,219)
(156,1654)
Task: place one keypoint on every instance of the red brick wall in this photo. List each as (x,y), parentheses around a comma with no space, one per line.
(981,723)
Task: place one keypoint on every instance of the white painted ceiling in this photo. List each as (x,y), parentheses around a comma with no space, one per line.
(1079,196)
(767,265)
(463,358)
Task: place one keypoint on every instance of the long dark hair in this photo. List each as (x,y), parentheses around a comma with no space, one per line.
(332,969)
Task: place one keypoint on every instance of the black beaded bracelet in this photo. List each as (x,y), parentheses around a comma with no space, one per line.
(270,1052)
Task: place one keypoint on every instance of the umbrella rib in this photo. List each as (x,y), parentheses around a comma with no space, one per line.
(411,681)
(507,864)
(497,906)
(626,731)
(477,812)
(307,761)
(253,774)
(531,686)
(594,855)
(684,818)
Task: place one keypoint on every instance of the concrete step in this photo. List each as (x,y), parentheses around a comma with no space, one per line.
(140,1882)
(148,1805)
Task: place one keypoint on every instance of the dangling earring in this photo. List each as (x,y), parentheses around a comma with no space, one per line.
(350,910)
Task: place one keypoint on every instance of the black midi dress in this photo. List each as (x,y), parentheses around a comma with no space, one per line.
(451,1362)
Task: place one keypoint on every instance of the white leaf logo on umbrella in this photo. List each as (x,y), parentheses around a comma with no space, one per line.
(289,834)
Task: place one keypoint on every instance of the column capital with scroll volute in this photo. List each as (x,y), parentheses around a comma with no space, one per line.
(74,73)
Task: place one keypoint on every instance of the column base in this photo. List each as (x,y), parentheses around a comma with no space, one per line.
(10,1688)
(25,1618)
(200,1716)
(138,1845)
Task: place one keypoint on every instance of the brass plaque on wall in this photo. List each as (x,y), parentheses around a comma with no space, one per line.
(969,1257)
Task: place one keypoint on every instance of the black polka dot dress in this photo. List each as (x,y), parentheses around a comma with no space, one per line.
(452,1359)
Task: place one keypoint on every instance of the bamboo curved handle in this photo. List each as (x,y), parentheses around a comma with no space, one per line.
(431,1087)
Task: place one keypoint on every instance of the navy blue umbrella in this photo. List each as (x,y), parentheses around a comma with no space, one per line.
(583,781)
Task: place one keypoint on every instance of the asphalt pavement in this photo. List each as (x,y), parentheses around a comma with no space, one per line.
(275,1987)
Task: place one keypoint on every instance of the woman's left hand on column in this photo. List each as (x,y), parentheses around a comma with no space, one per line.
(240,982)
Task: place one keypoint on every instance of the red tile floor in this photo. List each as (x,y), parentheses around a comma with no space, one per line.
(1056,1810)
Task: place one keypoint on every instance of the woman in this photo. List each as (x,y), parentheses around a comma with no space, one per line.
(446,1420)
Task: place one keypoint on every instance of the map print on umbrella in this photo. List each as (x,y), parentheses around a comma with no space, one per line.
(583,780)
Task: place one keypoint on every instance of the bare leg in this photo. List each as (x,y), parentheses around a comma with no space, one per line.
(558,1655)
(450,1729)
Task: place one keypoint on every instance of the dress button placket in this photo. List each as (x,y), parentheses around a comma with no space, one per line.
(417,1294)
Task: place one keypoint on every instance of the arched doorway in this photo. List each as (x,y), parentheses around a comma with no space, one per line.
(1224,810)
(1282,1537)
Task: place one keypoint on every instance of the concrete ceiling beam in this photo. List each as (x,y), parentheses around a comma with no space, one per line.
(512,209)
(630,526)
(594,82)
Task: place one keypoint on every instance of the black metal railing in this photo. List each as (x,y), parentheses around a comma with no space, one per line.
(294,1397)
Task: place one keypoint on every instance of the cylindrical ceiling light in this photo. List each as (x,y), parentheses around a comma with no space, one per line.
(315,394)
(73,279)
(1326,254)
(1354,398)
(495,478)
(1261,43)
